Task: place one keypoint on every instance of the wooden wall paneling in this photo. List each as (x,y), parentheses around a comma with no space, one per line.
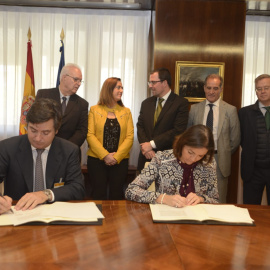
(205,31)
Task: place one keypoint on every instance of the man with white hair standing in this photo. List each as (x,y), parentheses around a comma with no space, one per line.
(74,108)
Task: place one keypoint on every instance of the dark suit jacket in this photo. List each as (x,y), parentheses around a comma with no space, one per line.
(16,168)
(248,125)
(75,120)
(172,121)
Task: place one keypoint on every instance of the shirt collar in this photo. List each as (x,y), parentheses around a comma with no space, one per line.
(261,106)
(61,95)
(46,149)
(216,103)
(165,97)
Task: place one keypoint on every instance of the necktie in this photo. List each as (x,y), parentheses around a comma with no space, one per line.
(267,117)
(39,179)
(64,105)
(210,117)
(158,110)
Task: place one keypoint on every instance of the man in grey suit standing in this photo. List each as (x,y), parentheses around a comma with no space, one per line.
(162,117)
(74,108)
(222,118)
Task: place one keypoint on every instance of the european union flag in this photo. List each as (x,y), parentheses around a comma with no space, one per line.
(61,63)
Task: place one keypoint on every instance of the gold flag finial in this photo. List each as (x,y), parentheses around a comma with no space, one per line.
(29,34)
(62,35)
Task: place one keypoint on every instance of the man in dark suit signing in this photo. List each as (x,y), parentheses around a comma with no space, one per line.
(74,108)
(162,117)
(39,167)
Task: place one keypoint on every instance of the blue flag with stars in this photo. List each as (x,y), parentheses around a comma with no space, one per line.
(61,63)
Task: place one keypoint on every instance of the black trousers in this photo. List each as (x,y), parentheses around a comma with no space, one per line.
(253,190)
(108,181)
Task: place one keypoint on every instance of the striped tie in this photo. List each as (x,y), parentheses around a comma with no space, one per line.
(64,105)
(158,110)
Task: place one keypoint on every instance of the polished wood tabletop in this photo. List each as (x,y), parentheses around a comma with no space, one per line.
(128,239)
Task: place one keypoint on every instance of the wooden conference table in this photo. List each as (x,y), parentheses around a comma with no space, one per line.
(128,239)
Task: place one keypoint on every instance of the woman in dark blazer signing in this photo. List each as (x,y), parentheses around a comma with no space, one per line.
(110,138)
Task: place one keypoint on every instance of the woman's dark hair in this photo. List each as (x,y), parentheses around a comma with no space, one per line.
(106,92)
(43,110)
(198,136)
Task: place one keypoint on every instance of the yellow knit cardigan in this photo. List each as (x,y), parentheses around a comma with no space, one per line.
(96,121)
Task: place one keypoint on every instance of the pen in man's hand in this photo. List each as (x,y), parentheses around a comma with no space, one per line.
(5,199)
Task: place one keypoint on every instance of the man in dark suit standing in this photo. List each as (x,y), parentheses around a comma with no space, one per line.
(255,143)
(74,108)
(39,167)
(162,117)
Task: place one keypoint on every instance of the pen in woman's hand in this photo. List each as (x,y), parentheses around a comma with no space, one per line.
(5,199)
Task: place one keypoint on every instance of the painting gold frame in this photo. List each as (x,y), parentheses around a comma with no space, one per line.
(190,76)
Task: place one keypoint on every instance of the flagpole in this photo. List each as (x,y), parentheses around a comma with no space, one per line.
(62,57)
(62,35)
(29,34)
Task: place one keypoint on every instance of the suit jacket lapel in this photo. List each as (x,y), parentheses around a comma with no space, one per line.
(25,160)
(151,111)
(252,125)
(222,112)
(200,113)
(70,106)
(166,107)
(53,163)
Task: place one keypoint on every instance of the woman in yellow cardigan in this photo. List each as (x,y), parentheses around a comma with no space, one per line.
(110,138)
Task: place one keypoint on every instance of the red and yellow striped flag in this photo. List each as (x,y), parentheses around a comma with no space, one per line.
(29,89)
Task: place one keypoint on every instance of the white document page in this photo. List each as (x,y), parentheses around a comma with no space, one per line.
(86,211)
(201,212)
(229,213)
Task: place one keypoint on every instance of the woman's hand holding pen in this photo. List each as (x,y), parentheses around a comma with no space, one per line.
(172,200)
(5,204)
(179,201)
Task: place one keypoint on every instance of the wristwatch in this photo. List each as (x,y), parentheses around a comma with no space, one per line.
(48,193)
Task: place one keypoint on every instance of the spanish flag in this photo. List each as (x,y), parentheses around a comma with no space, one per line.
(29,89)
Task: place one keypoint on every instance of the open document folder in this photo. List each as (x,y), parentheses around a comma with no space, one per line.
(55,213)
(202,214)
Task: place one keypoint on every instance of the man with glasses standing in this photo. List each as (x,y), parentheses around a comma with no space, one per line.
(162,117)
(74,108)
(255,143)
